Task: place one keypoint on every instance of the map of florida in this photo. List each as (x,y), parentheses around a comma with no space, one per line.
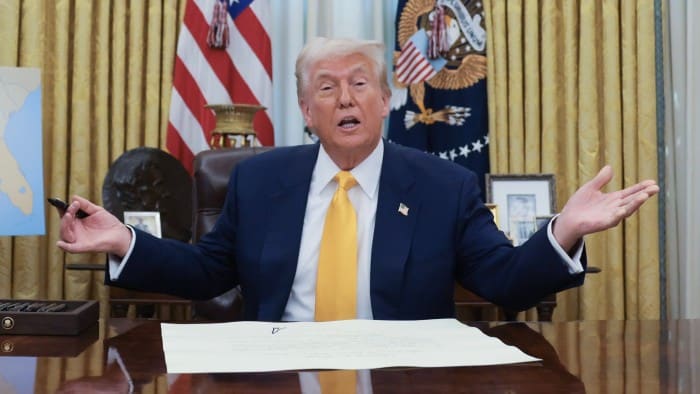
(14,89)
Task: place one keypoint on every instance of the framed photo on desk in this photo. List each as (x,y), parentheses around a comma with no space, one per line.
(148,221)
(522,199)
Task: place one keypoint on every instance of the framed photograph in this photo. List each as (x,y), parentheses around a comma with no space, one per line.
(521,199)
(148,221)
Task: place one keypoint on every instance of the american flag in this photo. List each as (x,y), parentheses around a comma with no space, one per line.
(239,73)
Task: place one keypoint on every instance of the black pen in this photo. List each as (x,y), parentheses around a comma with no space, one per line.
(33,307)
(63,206)
(19,307)
(56,308)
(46,308)
(9,305)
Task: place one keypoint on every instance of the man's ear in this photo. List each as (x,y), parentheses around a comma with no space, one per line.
(306,113)
(386,101)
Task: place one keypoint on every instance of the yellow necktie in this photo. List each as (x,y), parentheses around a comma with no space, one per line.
(336,281)
(338,382)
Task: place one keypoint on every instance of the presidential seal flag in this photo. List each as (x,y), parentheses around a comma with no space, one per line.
(439,101)
(224,56)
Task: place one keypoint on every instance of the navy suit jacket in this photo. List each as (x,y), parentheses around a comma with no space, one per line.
(447,235)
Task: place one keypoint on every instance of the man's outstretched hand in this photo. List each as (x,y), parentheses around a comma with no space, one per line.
(590,210)
(100,231)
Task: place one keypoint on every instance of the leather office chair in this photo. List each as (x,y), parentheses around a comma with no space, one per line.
(212,169)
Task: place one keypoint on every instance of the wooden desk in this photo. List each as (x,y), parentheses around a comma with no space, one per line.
(588,356)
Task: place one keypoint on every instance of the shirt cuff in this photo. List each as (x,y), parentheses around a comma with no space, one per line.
(573,263)
(116,265)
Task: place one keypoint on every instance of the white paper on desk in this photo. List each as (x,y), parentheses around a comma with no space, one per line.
(348,344)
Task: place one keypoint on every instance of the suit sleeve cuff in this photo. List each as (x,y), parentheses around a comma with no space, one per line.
(573,262)
(115,264)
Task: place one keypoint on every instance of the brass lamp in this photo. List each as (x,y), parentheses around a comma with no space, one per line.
(234,125)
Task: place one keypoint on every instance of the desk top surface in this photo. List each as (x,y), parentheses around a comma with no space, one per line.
(584,356)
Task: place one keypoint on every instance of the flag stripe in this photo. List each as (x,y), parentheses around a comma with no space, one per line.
(252,72)
(191,96)
(246,61)
(191,132)
(418,68)
(205,76)
(408,66)
(426,75)
(412,66)
(409,53)
(407,57)
(248,22)
(178,148)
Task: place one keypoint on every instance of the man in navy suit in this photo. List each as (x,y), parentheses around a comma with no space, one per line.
(420,222)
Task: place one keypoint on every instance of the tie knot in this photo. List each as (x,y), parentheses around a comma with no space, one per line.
(345,180)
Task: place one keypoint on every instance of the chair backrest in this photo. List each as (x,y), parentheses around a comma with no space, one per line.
(212,170)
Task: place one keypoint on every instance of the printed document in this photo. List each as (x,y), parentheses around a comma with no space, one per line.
(348,344)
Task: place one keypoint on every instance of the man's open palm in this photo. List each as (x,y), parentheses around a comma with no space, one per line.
(590,210)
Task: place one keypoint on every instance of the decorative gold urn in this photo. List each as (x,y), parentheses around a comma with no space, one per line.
(234,125)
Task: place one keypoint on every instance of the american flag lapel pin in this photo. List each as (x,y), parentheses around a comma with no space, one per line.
(403,209)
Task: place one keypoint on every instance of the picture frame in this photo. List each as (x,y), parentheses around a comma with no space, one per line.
(148,221)
(521,199)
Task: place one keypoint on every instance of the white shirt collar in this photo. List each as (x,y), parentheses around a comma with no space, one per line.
(366,173)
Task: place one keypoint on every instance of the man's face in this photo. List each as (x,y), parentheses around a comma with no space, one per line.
(344,104)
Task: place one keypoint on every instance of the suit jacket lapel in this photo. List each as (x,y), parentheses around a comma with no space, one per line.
(280,252)
(393,231)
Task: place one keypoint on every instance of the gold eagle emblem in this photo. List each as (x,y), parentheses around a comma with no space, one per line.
(466,56)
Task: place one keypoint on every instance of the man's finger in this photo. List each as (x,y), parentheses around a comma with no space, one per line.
(652,190)
(66,227)
(72,209)
(647,186)
(85,205)
(68,247)
(635,202)
(602,178)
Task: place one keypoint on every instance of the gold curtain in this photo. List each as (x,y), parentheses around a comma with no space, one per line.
(106,69)
(572,88)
